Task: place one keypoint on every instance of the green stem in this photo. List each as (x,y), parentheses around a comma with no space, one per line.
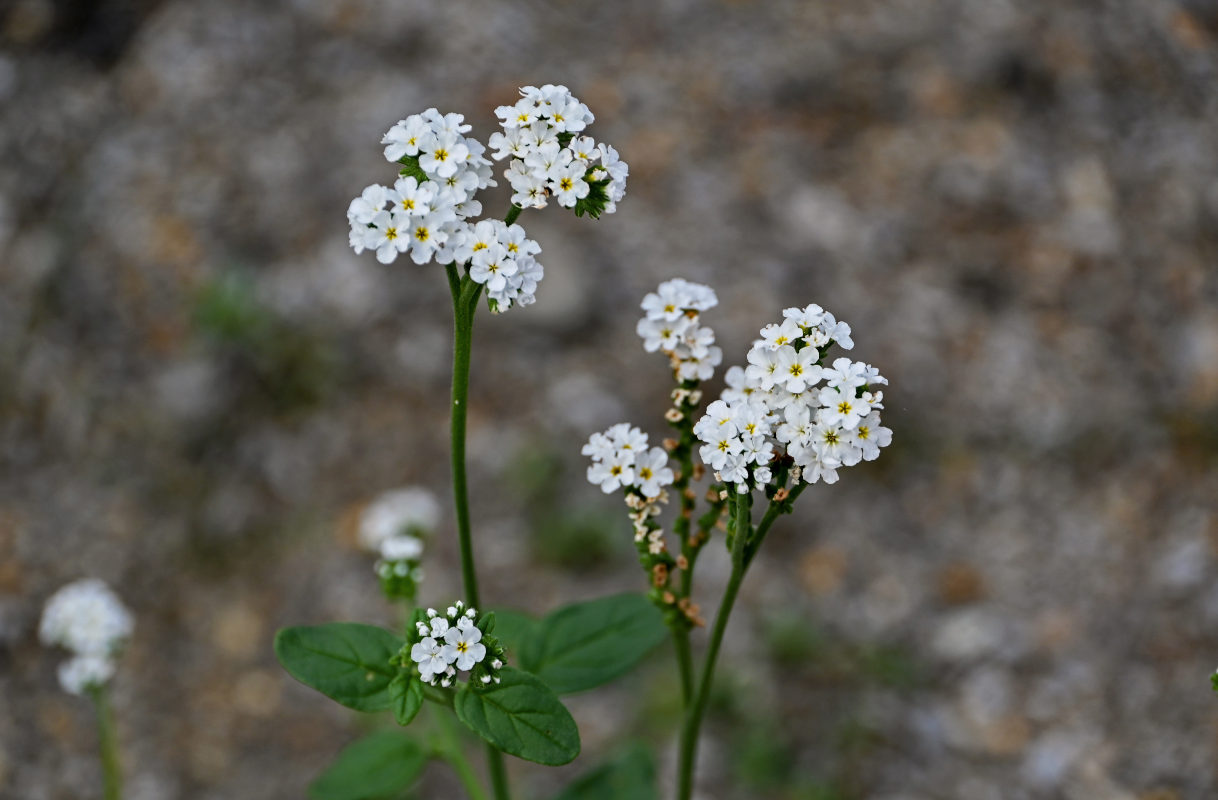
(107,741)
(772,513)
(693,717)
(463,325)
(451,752)
(465,305)
(513,212)
(685,664)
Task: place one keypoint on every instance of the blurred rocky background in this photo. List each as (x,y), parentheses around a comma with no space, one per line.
(1015,204)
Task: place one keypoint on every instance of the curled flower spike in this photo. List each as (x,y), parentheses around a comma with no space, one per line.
(442,646)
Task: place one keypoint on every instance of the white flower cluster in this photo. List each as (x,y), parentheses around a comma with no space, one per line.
(502,259)
(394,526)
(543,135)
(428,204)
(780,395)
(86,618)
(621,460)
(449,643)
(671,325)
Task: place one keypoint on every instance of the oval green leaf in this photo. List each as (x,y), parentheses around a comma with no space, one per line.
(406,697)
(380,765)
(345,661)
(584,645)
(522,717)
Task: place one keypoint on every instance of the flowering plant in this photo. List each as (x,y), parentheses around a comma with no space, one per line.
(784,422)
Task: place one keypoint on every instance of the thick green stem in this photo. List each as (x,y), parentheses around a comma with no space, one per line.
(107,741)
(693,717)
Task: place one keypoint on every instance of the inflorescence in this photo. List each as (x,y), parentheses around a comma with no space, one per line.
(786,417)
(441,645)
(87,619)
(778,406)
(429,211)
(395,526)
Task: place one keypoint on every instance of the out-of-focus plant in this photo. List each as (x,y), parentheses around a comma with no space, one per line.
(91,623)
(785,422)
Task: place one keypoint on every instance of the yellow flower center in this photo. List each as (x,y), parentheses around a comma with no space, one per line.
(422,234)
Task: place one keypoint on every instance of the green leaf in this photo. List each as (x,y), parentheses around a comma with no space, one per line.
(521,716)
(514,629)
(406,696)
(630,776)
(345,661)
(379,765)
(584,645)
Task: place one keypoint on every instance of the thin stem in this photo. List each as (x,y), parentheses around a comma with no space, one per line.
(499,780)
(463,325)
(693,717)
(772,513)
(107,741)
(451,752)
(465,305)
(685,664)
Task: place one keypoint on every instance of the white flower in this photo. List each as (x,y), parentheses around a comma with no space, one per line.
(401,548)
(775,336)
(842,408)
(389,235)
(429,655)
(613,473)
(370,203)
(870,436)
(81,673)
(443,155)
(599,447)
(568,184)
(86,618)
(396,513)
(662,334)
(626,437)
(492,267)
(808,317)
(411,198)
(407,137)
(463,646)
(846,375)
(796,370)
(762,370)
(652,473)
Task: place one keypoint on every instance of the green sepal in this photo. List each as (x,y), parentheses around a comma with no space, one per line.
(594,203)
(411,169)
